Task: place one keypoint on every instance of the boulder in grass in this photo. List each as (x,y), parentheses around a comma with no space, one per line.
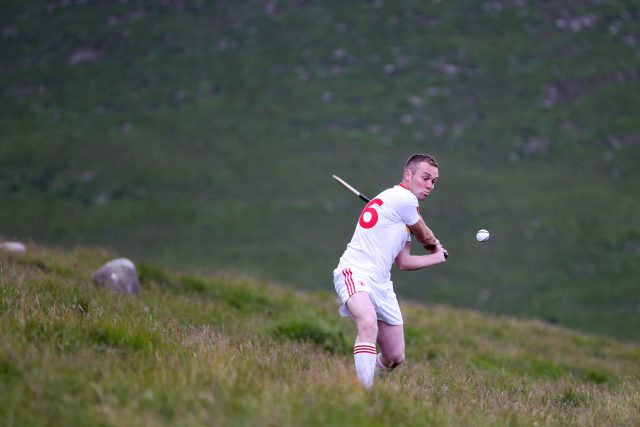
(119,275)
(13,247)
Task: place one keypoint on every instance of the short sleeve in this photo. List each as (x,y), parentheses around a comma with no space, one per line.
(403,205)
(406,205)
(409,213)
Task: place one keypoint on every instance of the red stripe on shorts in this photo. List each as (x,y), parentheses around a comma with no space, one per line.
(348,280)
(353,285)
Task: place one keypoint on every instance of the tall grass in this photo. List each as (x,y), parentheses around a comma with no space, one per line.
(235,351)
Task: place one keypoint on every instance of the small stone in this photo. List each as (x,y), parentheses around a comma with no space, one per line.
(119,275)
(13,247)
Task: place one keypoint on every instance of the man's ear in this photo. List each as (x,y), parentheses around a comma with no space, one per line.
(407,174)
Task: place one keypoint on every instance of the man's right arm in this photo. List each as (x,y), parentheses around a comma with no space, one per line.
(424,235)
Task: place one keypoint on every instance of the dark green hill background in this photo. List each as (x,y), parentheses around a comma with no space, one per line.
(204,134)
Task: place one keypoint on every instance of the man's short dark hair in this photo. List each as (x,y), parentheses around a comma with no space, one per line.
(416,159)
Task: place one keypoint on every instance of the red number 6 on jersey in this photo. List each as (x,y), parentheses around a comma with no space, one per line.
(369,216)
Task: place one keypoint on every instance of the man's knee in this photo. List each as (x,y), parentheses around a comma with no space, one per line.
(368,326)
(394,359)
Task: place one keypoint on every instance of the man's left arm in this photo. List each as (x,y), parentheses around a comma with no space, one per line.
(406,261)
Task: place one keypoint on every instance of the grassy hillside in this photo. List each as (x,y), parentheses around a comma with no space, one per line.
(204,134)
(223,350)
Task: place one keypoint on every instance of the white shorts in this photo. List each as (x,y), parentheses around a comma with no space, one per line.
(348,281)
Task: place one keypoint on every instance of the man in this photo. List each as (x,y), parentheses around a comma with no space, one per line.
(362,278)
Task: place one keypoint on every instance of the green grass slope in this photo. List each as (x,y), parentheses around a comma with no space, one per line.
(223,350)
(204,134)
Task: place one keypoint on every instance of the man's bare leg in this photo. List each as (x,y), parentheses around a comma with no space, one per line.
(391,343)
(364,351)
(364,315)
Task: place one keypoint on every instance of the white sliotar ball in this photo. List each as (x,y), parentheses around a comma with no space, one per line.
(482,235)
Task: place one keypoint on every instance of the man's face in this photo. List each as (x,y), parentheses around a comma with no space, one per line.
(422,181)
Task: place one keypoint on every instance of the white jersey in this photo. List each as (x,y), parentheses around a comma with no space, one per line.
(381,233)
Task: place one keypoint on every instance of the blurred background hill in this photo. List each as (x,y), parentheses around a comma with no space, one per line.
(204,134)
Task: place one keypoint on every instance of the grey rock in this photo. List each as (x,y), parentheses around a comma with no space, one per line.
(119,275)
(14,247)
